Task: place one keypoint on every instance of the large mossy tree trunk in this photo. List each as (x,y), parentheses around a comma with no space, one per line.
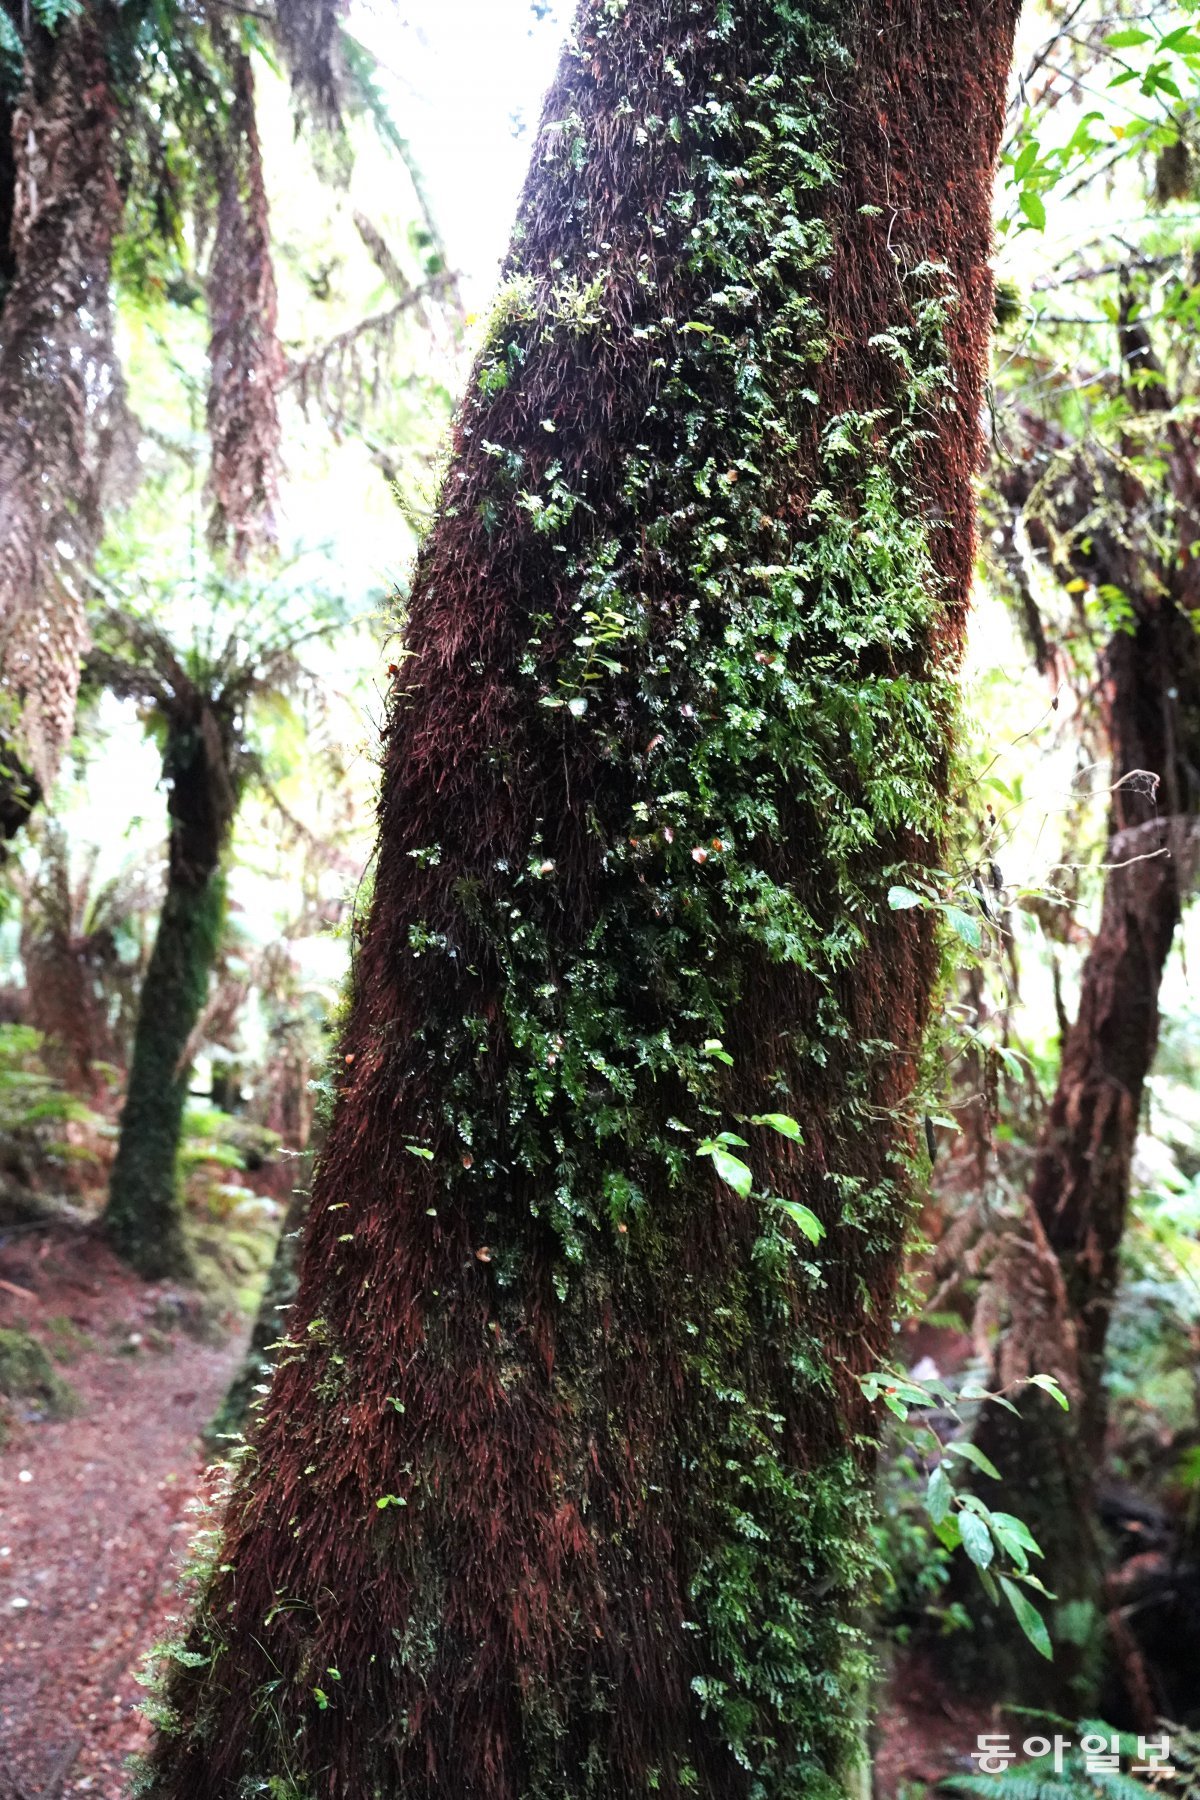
(1114,533)
(143,1220)
(561,1487)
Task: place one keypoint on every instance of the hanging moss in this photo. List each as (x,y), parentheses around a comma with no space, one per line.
(144,1217)
(561,1489)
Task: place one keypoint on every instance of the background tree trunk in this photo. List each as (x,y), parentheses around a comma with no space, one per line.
(560,1487)
(61,398)
(1079,1192)
(143,1220)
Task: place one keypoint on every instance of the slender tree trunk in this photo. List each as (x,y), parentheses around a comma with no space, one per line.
(560,1489)
(1079,1191)
(143,1220)
(1049,1460)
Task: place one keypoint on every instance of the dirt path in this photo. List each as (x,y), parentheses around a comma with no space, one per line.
(94,1514)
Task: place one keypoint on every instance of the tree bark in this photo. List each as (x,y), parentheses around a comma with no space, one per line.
(1079,1191)
(61,407)
(561,1487)
(143,1220)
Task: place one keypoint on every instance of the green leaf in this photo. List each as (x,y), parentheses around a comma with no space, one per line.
(732,1169)
(1126,39)
(1049,1386)
(972,1391)
(780,1122)
(974,1455)
(977,1539)
(808,1221)
(1028,1618)
(419,1150)
(947,1533)
(390,1500)
(1007,1525)
(1026,160)
(901,898)
(967,928)
(939,1495)
(1034,208)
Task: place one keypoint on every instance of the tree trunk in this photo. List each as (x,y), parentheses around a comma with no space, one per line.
(143,1220)
(1079,1191)
(61,409)
(560,1489)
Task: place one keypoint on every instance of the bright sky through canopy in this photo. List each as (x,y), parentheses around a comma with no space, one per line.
(467,80)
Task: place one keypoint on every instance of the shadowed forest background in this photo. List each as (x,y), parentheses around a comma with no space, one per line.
(730,935)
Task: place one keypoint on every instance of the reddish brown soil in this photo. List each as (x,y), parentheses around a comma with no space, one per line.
(923,1732)
(94,1515)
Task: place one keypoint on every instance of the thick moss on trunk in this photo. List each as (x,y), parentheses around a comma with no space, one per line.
(143,1219)
(560,1490)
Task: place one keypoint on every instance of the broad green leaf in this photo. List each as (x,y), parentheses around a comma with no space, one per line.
(976,1539)
(947,1533)
(732,1169)
(1026,160)
(1017,1529)
(967,928)
(808,1221)
(1126,39)
(974,1455)
(1034,208)
(780,1122)
(901,898)
(419,1150)
(1028,1618)
(939,1495)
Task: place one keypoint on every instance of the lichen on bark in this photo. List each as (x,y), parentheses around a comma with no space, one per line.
(561,1487)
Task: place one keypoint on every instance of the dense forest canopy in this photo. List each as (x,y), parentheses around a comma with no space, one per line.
(599,776)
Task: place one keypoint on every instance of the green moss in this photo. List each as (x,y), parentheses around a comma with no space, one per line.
(144,1217)
(27,1374)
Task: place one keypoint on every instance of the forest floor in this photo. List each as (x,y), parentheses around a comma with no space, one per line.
(97,1511)
(95,1514)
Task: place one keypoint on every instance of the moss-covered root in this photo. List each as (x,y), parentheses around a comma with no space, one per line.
(27,1374)
(143,1220)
